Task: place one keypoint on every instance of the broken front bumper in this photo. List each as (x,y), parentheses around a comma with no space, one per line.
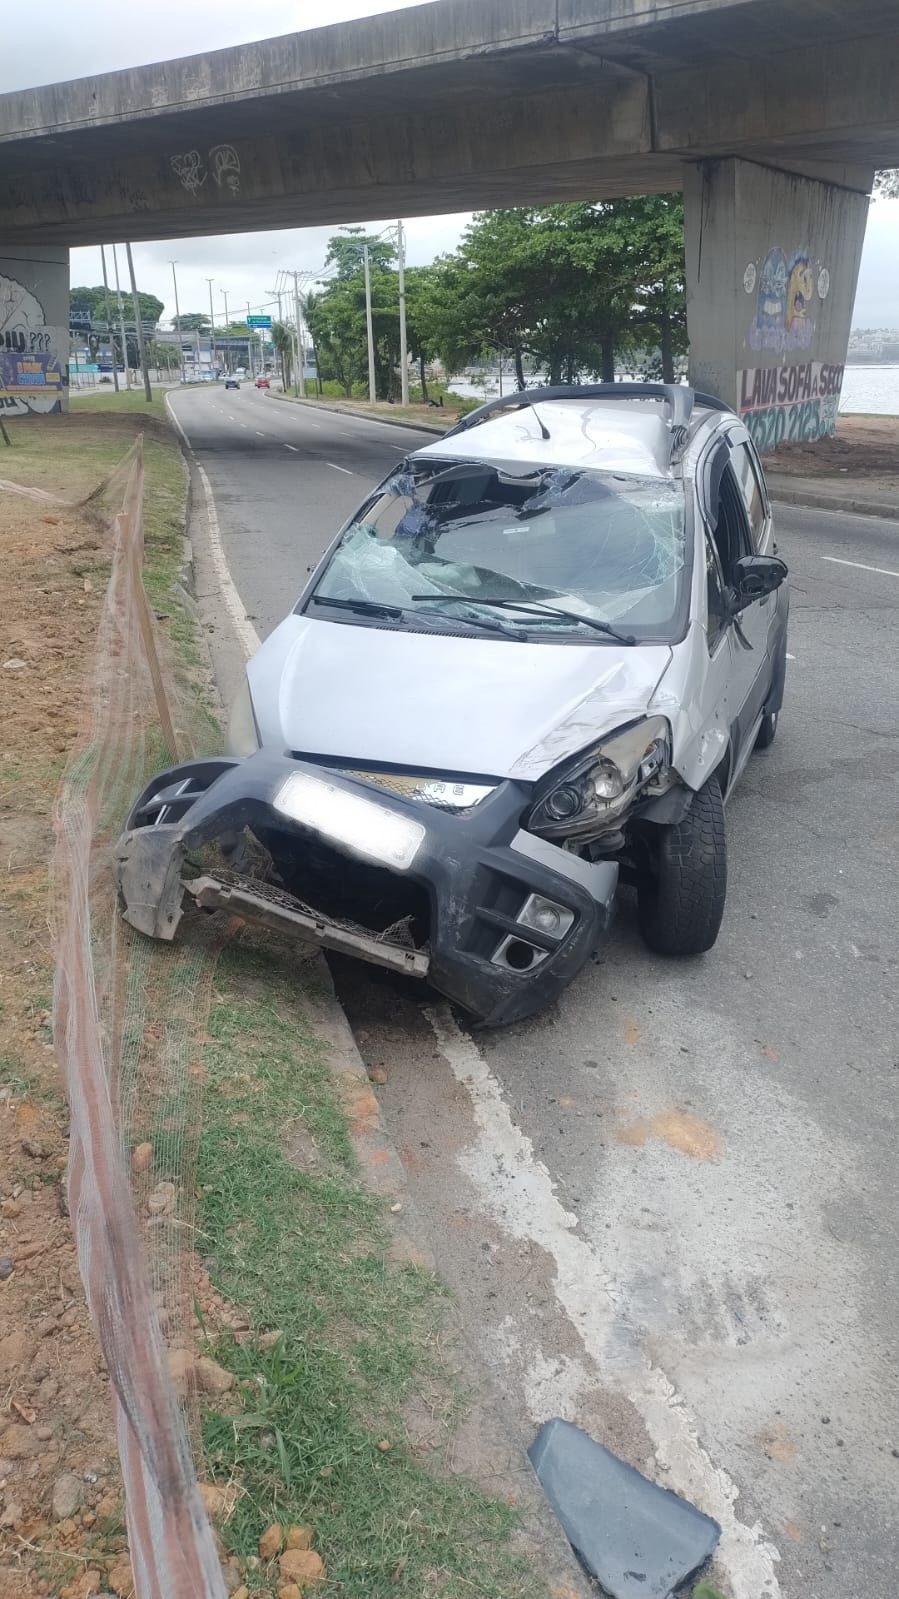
(511,918)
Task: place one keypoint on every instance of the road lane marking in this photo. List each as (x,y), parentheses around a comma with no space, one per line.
(230,417)
(292,447)
(343,469)
(790,657)
(882,571)
(260,435)
(526,1205)
(243,627)
(244,424)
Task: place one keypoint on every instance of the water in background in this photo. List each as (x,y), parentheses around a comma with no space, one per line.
(871,388)
(865,388)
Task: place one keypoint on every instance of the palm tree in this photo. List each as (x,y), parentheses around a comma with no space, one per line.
(282,339)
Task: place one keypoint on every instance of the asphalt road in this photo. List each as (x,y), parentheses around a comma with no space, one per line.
(669,1206)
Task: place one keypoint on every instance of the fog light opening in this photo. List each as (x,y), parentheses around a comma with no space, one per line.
(520,955)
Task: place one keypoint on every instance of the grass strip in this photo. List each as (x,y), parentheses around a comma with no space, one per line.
(302,1245)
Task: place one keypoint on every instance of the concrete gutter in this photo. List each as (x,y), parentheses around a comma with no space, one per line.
(808,493)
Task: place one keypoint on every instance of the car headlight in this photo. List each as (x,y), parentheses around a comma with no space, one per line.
(599,787)
(243,735)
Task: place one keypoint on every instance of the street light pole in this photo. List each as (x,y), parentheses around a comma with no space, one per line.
(139,326)
(301,341)
(210,281)
(115,261)
(372,386)
(250,345)
(178,326)
(115,364)
(404,362)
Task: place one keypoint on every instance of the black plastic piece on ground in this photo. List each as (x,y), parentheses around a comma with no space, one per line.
(640,1541)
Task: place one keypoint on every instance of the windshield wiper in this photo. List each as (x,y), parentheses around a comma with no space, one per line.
(364,607)
(535,607)
(395,613)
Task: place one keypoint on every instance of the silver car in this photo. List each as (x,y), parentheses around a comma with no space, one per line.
(534,662)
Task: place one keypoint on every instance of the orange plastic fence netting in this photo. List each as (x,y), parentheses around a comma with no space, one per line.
(111,992)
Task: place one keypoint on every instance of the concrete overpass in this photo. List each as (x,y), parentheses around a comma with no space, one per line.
(772,114)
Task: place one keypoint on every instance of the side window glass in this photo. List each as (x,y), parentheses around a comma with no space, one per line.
(731,530)
(717,599)
(751,491)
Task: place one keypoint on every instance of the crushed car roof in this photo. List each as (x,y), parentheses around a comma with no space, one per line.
(598,434)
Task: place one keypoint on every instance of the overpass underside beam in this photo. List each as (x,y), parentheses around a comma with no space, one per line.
(772,269)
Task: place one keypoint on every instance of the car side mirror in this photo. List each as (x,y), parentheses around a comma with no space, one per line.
(753,577)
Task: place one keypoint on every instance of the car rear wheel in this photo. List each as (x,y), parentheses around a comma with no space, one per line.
(680,899)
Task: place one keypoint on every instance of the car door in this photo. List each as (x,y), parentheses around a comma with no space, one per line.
(731,534)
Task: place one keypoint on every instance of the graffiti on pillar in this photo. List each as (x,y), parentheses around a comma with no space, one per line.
(192,169)
(790,404)
(33,356)
(788,290)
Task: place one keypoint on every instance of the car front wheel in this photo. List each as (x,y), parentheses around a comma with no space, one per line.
(680,899)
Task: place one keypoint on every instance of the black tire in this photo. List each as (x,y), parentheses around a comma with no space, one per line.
(767,731)
(680,902)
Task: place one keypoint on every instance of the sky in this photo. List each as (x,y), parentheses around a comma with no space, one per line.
(92,36)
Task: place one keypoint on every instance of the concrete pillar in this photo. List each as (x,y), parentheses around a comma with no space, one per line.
(34,329)
(772,268)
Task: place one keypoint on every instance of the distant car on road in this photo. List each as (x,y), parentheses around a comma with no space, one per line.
(232,383)
(263,383)
(535,660)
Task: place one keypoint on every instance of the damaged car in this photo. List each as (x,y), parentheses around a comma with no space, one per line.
(531,666)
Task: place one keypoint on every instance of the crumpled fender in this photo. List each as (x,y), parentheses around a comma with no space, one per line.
(147,869)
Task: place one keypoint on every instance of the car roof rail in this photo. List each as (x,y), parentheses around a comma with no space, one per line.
(678,397)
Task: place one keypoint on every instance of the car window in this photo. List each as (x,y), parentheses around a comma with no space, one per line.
(610,546)
(731,523)
(718,613)
(748,477)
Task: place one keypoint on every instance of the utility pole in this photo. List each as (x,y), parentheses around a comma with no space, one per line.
(115,260)
(277,294)
(404,361)
(228,362)
(139,326)
(210,281)
(178,326)
(115,364)
(301,341)
(372,385)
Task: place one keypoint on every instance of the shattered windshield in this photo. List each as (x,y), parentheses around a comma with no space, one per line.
(601,545)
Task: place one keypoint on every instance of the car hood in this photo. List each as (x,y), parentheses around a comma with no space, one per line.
(466,705)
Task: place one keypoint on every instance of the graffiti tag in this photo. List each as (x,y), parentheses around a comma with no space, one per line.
(790,404)
(192,170)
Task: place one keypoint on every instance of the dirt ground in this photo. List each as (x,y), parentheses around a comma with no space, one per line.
(863,447)
(56,1435)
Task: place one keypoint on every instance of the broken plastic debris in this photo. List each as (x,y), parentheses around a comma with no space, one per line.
(640,1541)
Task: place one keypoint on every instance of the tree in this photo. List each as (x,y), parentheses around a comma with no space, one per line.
(568,287)
(94,299)
(886,184)
(336,313)
(282,339)
(191,322)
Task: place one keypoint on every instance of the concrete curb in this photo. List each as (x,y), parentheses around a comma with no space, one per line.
(845,506)
(365,416)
